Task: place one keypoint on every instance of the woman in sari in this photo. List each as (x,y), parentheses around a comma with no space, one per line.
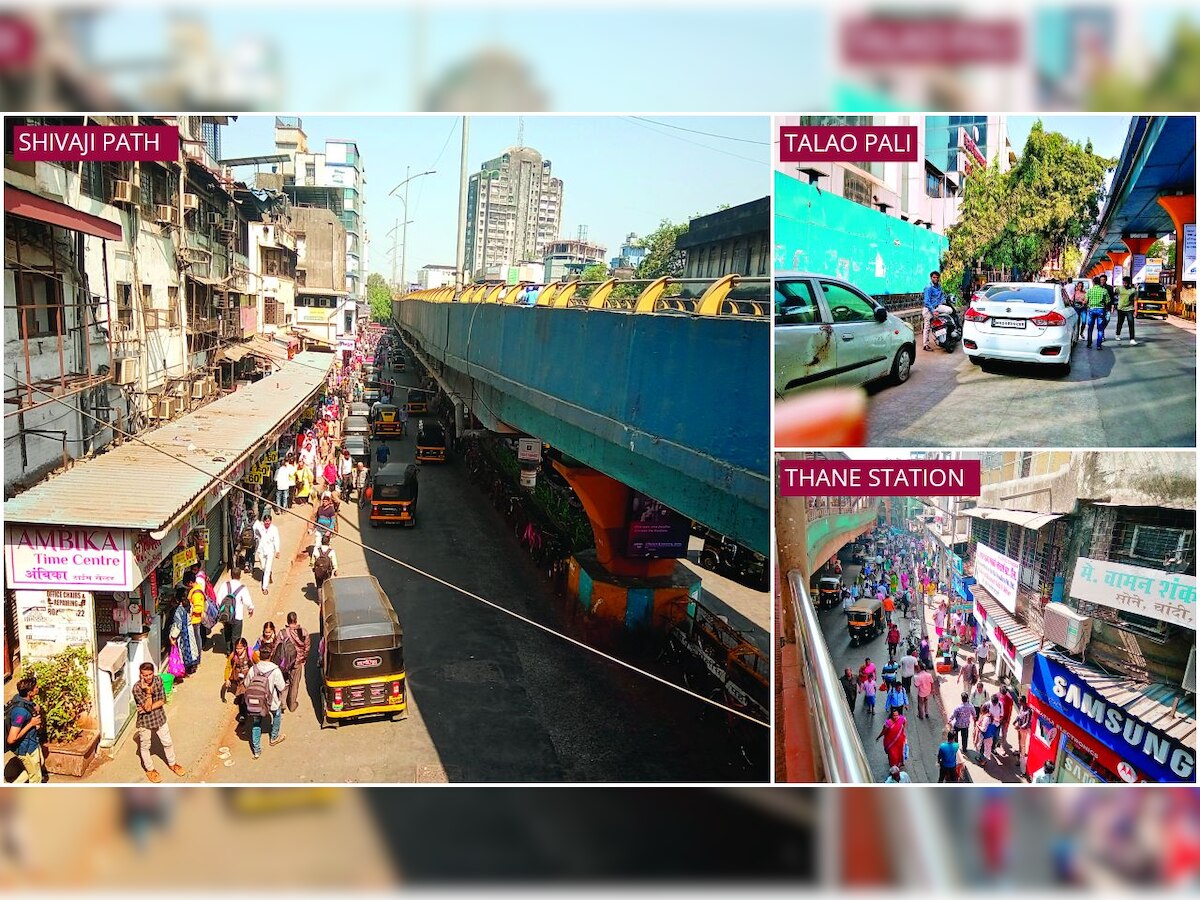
(895,737)
(182,631)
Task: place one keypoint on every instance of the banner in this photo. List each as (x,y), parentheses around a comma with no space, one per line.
(51,621)
(1145,592)
(40,557)
(655,531)
(879,478)
(1143,752)
(997,574)
(1189,252)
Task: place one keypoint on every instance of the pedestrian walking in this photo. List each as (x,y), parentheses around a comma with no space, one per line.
(907,667)
(985,734)
(894,735)
(269,548)
(869,689)
(948,759)
(265,687)
(326,515)
(897,698)
(382,453)
(923,682)
(22,728)
(236,667)
(1006,712)
(151,700)
(196,601)
(181,633)
(1097,310)
(360,483)
(850,688)
(329,474)
(283,483)
(893,641)
(968,674)
(345,468)
(897,775)
(889,607)
(1023,724)
(961,718)
(1079,301)
(304,481)
(979,697)
(301,640)
(1126,301)
(981,654)
(234,607)
(324,561)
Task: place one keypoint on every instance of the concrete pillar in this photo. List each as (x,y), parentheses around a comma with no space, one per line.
(1138,247)
(1182,210)
(1121,259)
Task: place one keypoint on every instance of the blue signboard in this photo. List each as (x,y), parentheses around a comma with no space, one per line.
(1138,746)
(962,586)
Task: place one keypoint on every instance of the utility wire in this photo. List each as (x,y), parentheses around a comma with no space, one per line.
(434,578)
(676,137)
(724,137)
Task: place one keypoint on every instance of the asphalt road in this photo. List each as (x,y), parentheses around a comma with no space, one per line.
(1118,396)
(493,699)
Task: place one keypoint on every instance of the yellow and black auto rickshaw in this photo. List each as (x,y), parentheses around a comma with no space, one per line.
(418,401)
(388,423)
(864,620)
(1150,300)
(361,653)
(393,496)
(431,441)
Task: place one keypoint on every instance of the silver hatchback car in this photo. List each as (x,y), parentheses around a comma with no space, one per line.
(828,332)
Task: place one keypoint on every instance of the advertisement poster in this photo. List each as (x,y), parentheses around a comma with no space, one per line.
(1151,593)
(42,557)
(52,621)
(997,574)
(656,532)
(1189,252)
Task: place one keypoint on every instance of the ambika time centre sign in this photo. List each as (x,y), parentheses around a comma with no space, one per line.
(39,557)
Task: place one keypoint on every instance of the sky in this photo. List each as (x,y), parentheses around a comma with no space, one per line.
(620,174)
(1107,132)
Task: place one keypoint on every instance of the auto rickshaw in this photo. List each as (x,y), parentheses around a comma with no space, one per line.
(393,495)
(360,449)
(356,426)
(1150,300)
(387,423)
(361,653)
(431,441)
(360,409)
(864,620)
(829,592)
(418,401)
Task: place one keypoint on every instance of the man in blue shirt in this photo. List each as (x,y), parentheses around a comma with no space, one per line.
(947,755)
(21,729)
(933,299)
(382,452)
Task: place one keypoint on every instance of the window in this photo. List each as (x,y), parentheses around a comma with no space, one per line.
(794,304)
(41,299)
(146,190)
(1154,544)
(125,303)
(1026,464)
(846,305)
(147,297)
(92,181)
(310,170)
(172,306)
(857,188)
(933,184)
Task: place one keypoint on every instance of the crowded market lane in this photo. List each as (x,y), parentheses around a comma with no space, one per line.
(1119,396)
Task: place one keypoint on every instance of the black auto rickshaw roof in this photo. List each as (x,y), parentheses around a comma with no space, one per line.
(357,445)
(429,428)
(419,394)
(867,604)
(360,409)
(396,473)
(353,608)
(359,423)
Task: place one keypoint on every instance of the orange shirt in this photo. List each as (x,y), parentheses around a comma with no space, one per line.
(888,604)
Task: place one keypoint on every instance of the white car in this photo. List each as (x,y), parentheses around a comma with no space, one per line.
(1023,321)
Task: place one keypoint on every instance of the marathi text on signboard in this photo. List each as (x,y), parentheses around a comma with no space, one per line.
(997,574)
(180,561)
(1189,252)
(656,531)
(1151,593)
(52,621)
(50,557)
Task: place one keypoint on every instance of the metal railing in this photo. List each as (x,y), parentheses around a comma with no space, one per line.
(836,744)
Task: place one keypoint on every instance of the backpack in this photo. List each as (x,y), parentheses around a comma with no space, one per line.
(258,693)
(247,540)
(284,654)
(323,566)
(227,610)
(9,707)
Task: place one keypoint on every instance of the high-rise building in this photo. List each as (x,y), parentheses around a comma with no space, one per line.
(514,207)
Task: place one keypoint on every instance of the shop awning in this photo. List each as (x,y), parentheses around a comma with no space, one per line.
(1031,520)
(31,206)
(205,280)
(1026,642)
(145,488)
(233,353)
(320,292)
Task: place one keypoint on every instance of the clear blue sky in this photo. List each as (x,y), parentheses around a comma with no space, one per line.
(1106,132)
(620,174)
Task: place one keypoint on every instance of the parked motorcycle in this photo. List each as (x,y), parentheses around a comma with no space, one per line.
(947,328)
(729,558)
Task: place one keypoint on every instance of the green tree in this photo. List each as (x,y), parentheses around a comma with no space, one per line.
(1020,219)
(595,272)
(1165,250)
(379,297)
(662,256)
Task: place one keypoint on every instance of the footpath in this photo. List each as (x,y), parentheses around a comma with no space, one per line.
(195,713)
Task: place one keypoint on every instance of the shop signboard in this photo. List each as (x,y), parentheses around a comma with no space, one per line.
(1189,252)
(51,621)
(180,562)
(1153,269)
(38,557)
(655,531)
(1137,267)
(963,600)
(529,450)
(1073,771)
(1164,596)
(997,574)
(956,562)
(1142,751)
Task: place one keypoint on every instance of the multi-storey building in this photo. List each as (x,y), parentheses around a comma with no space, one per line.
(566,259)
(631,254)
(514,209)
(431,276)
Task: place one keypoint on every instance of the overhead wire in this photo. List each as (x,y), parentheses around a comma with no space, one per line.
(421,572)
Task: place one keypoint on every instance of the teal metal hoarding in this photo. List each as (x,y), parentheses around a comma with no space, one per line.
(816,231)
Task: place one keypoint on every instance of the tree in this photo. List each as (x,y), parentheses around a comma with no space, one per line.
(1165,250)
(379,297)
(1019,220)
(662,256)
(595,272)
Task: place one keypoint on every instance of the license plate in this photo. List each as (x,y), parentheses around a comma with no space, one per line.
(1008,323)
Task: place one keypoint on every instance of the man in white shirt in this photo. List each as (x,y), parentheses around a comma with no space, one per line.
(907,668)
(269,545)
(243,605)
(345,468)
(276,686)
(284,478)
(1046,775)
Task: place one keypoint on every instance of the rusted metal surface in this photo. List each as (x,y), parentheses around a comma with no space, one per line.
(141,487)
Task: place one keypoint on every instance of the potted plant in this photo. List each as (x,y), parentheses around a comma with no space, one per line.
(64,696)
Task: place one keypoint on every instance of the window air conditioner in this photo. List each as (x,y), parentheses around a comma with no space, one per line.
(164,408)
(1067,628)
(199,389)
(122,192)
(125,370)
(229,223)
(166,214)
(1189,675)
(191,202)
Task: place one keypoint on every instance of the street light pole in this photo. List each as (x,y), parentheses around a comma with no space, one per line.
(404,228)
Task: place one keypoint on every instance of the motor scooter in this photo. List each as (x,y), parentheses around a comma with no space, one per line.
(946,326)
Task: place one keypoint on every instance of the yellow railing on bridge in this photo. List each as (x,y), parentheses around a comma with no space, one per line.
(717,297)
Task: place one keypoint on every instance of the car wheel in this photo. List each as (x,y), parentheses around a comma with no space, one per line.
(902,366)
(1065,369)
(973,360)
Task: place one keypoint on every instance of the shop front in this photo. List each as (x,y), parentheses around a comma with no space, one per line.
(1103,728)
(1014,644)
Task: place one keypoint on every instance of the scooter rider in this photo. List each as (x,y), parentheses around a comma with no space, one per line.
(934,300)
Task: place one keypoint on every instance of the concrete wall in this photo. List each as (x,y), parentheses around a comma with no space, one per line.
(321,247)
(670,405)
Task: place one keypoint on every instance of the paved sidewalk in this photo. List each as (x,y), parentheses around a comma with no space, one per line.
(195,713)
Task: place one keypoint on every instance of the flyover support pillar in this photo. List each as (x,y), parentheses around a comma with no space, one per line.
(1182,210)
(639,594)
(1138,248)
(1120,261)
